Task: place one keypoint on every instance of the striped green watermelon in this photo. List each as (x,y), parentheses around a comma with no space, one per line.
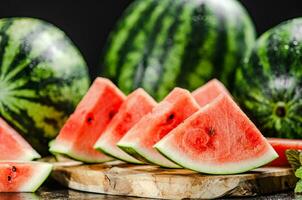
(269,84)
(42,77)
(160,44)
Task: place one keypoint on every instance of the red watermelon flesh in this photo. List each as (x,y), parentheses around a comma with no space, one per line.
(281,145)
(18,176)
(88,122)
(168,114)
(209,91)
(137,104)
(13,146)
(218,139)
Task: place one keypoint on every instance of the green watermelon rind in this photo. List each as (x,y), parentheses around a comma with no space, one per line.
(270,80)
(63,149)
(234,168)
(173,49)
(84,158)
(56,148)
(45,77)
(30,154)
(41,177)
(128,159)
(36,181)
(137,153)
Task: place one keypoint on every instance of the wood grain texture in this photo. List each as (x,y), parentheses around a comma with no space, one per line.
(119,178)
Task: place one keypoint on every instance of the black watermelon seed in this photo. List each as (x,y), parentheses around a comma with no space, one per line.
(211,131)
(111,114)
(89,120)
(171,117)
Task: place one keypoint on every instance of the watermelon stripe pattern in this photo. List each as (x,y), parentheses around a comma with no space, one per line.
(269,85)
(42,78)
(151,53)
(166,51)
(160,44)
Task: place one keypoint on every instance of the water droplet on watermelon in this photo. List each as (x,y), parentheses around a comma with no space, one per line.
(286,47)
(26,47)
(197,19)
(295,43)
(297,52)
(31,65)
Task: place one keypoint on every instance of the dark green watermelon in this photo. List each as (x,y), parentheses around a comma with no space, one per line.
(160,44)
(269,84)
(42,78)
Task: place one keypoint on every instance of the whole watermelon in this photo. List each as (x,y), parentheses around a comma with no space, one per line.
(269,84)
(42,78)
(160,44)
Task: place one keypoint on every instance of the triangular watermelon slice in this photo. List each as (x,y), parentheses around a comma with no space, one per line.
(13,146)
(218,139)
(88,122)
(18,176)
(209,91)
(137,104)
(173,110)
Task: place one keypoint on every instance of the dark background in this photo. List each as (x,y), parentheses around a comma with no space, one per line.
(89,22)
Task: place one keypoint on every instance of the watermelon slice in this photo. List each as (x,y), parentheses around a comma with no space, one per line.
(137,104)
(209,91)
(88,122)
(13,146)
(19,176)
(173,110)
(218,139)
(281,145)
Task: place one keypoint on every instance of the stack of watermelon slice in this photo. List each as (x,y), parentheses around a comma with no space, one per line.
(204,131)
(17,172)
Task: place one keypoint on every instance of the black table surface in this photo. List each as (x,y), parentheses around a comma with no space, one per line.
(57,192)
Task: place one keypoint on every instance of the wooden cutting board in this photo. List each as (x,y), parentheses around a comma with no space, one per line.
(118,178)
